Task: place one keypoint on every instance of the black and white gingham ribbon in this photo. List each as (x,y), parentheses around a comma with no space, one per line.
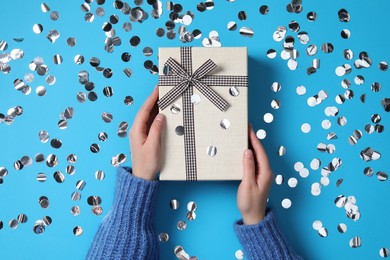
(183,79)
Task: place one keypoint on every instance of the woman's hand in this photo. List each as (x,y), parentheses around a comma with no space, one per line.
(145,139)
(253,191)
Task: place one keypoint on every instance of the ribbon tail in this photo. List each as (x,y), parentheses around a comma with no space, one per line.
(213,96)
(172,94)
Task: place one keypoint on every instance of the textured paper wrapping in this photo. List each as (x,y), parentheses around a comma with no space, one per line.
(231,142)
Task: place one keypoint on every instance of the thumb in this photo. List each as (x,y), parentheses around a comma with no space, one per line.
(249,167)
(156,129)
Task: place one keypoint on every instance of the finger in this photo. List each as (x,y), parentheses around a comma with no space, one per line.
(141,120)
(264,175)
(249,167)
(154,137)
(152,115)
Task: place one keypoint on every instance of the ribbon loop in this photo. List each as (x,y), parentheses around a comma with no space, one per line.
(204,69)
(176,69)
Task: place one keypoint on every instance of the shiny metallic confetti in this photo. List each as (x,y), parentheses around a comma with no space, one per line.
(59,177)
(13,223)
(279,179)
(76,196)
(212,151)
(45,8)
(118,159)
(323,232)
(43,202)
(180,253)
(22,218)
(382,176)
(107,117)
(75,210)
(286,203)
(191,215)
(225,124)
(384,252)
(53,36)
(282,150)
(369,154)
(163,237)
(292,182)
(181,225)
(179,130)
(317,225)
(344,15)
(305,128)
(355,242)
(54,15)
(261,134)
(268,118)
(239,254)
(342,228)
(128,101)
(232,26)
(97,210)
(174,204)
(3,171)
(77,231)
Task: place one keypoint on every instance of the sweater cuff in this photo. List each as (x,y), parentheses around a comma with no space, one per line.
(263,240)
(133,194)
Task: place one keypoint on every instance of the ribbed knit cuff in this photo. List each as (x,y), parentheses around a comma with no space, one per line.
(127,231)
(263,240)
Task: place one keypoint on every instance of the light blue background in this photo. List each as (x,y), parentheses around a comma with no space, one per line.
(211,235)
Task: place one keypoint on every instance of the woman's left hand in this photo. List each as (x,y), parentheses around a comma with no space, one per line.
(145,139)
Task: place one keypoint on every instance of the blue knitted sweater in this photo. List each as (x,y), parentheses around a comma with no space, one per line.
(127,231)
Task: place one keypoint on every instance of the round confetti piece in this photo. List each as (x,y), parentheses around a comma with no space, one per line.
(326,124)
(342,228)
(286,203)
(315,164)
(304,173)
(298,166)
(315,189)
(261,134)
(77,231)
(317,225)
(181,225)
(305,128)
(268,118)
(239,254)
(292,182)
(384,252)
(279,179)
(324,181)
(323,232)
(224,124)
(355,242)
(301,90)
(163,237)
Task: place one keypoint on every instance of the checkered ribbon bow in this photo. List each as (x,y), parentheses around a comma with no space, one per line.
(186,80)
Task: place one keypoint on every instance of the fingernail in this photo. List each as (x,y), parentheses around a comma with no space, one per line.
(248,153)
(160,117)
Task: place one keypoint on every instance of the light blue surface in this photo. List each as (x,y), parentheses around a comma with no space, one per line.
(211,235)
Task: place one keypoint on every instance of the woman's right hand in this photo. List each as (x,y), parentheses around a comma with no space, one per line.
(253,191)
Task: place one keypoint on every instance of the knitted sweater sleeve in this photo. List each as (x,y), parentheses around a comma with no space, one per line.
(127,231)
(263,240)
